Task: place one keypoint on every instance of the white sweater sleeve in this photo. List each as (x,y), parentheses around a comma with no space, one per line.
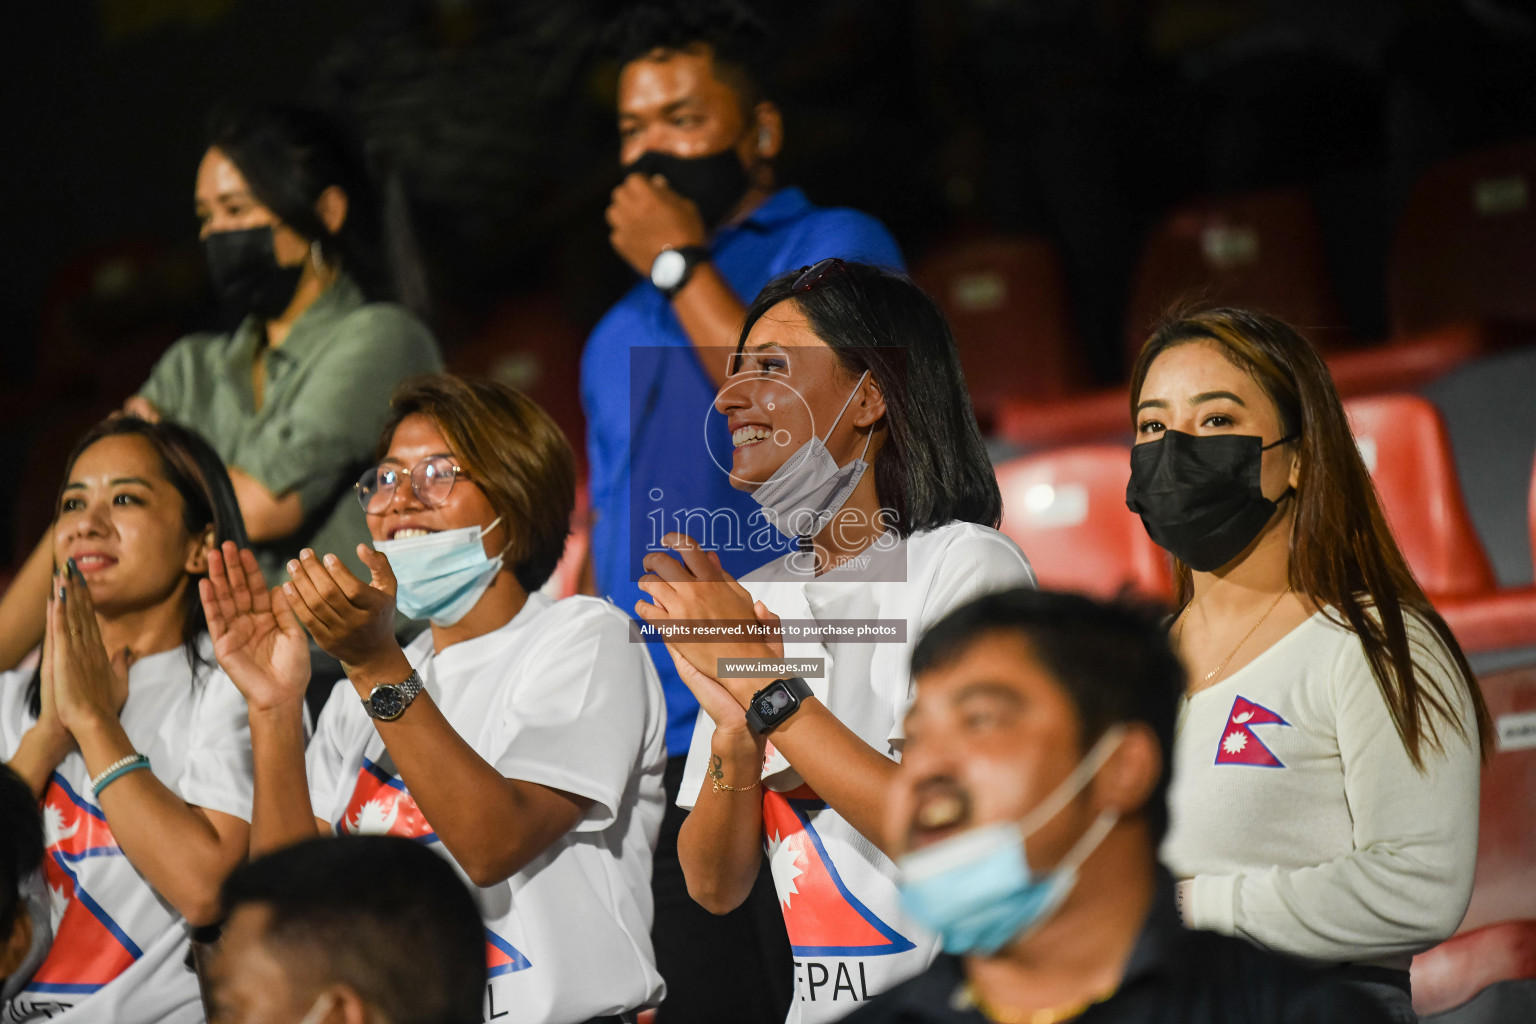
(1407,882)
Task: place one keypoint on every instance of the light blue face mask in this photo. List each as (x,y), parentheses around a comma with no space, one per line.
(441,575)
(976,890)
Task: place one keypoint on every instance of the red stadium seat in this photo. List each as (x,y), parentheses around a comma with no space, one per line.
(1006,299)
(1093,416)
(1404,444)
(1455,972)
(1466,245)
(1261,250)
(1066,509)
(1530,511)
(1406,363)
(1497,939)
(1403,441)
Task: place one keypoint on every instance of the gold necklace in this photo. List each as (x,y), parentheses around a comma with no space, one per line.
(968,997)
(1213,673)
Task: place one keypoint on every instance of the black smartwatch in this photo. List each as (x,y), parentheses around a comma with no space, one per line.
(776,702)
(673,267)
(388,701)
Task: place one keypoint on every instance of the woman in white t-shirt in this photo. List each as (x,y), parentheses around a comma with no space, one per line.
(1325,790)
(520,736)
(852,429)
(132,738)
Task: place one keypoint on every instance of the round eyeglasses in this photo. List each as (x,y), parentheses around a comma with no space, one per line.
(431,481)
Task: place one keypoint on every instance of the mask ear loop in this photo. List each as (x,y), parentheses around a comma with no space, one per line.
(804,542)
(1290,492)
(849,401)
(322,1006)
(505,547)
(1073,784)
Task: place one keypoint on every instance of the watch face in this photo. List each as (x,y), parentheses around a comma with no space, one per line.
(668,268)
(773,702)
(386,701)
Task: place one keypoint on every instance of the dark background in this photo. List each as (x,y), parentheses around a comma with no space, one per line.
(1079,121)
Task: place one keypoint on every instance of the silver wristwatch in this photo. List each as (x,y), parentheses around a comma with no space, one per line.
(388,701)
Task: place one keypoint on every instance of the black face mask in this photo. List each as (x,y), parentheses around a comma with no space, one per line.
(246,277)
(1199,496)
(714,183)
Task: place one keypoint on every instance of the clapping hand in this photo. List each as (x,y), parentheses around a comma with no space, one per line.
(352,621)
(256,637)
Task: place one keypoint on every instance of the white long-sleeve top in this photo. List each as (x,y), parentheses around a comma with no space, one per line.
(1295,809)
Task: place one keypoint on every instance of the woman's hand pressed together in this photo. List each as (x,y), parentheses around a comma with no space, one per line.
(89,686)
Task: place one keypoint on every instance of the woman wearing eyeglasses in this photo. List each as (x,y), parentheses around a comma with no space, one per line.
(521,737)
(853,431)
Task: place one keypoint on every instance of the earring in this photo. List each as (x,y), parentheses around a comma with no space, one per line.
(317,256)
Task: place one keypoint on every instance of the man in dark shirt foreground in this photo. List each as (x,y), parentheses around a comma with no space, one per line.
(1050,717)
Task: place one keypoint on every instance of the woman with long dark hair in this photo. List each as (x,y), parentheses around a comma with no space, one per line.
(852,429)
(1324,801)
(127,731)
(293,397)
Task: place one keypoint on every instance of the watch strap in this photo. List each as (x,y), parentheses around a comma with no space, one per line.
(692,256)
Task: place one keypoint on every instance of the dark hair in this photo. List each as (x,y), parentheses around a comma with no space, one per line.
(382,914)
(737,38)
(1113,661)
(934,469)
(207,498)
(289,155)
(21,843)
(1342,553)
(513,452)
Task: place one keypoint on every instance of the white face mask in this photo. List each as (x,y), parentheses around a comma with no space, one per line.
(805,492)
(440,576)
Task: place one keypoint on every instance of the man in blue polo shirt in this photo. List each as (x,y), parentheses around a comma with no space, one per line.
(702,220)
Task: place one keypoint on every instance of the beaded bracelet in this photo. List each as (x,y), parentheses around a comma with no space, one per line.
(117,769)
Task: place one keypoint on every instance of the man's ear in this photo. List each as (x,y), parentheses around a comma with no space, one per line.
(332,208)
(769,141)
(18,944)
(197,555)
(1130,776)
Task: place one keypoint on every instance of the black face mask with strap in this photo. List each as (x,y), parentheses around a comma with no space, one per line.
(1199,496)
(246,277)
(714,183)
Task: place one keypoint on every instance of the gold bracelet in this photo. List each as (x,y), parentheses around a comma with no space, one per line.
(716,775)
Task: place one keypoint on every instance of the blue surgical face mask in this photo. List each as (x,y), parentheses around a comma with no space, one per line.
(976,890)
(441,575)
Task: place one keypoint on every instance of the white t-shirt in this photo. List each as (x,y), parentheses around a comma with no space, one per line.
(119,950)
(850,938)
(559,697)
(1295,808)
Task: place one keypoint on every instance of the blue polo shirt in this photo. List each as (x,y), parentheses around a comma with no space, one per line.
(658,455)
